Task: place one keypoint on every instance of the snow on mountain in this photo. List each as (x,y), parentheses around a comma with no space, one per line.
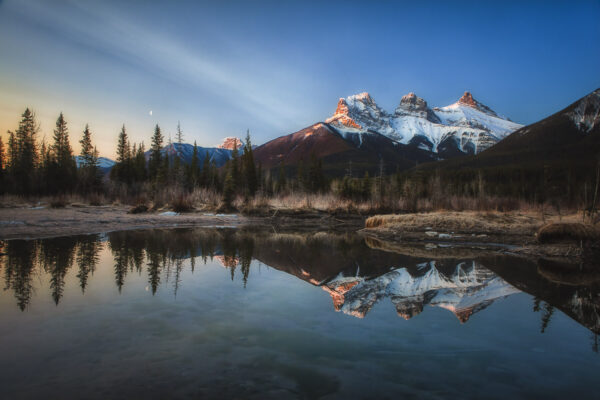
(466,126)
(185,152)
(103,162)
(468,289)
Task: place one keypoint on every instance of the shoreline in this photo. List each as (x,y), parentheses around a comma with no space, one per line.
(29,223)
(498,233)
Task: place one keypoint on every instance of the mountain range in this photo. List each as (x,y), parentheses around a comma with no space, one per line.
(185,152)
(361,136)
(467,126)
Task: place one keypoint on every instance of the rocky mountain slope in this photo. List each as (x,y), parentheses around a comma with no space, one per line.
(340,150)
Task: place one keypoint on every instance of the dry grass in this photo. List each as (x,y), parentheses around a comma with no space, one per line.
(182,203)
(466,221)
(568,232)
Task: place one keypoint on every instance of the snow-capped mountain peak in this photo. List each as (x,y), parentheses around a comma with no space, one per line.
(466,126)
(230,142)
(413,105)
(468,100)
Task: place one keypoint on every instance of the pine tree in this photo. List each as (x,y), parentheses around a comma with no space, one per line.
(140,163)
(61,147)
(11,151)
(366,186)
(179,133)
(24,157)
(259,177)
(281,182)
(121,171)
(194,169)
(234,164)
(315,174)
(249,167)
(154,163)
(228,187)
(88,155)
(122,146)
(205,173)
(88,171)
(300,176)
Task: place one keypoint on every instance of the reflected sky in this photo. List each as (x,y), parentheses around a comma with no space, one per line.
(216,313)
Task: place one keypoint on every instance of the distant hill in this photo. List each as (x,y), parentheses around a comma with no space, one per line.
(185,152)
(105,164)
(339,150)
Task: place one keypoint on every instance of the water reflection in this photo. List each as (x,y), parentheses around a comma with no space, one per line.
(355,272)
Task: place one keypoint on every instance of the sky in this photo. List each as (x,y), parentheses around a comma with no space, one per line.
(274,67)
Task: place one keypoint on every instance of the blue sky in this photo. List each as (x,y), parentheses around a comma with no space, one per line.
(275,67)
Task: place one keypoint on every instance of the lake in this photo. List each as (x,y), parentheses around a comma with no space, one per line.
(226,313)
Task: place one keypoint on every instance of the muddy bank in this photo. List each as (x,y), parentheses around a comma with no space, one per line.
(43,222)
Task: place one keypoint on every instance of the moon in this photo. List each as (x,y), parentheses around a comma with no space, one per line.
(150,112)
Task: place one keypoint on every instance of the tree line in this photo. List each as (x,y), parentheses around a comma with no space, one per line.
(32,167)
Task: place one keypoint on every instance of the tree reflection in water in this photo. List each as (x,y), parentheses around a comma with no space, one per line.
(357,273)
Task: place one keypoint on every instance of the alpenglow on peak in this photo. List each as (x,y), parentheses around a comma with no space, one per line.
(466,126)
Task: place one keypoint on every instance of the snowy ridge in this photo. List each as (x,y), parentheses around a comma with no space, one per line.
(103,162)
(466,125)
(185,153)
(470,288)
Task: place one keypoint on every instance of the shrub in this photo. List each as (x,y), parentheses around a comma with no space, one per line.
(182,203)
(139,209)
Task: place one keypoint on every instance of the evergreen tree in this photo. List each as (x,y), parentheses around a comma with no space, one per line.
(281,182)
(228,186)
(259,177)
(88,171)
(154,164)
(315,174)
(24,157)
(179,133)
(205,173)
(122,146)
(164,170)
(140,163)
(194,169)
(11,151)
(300,176)
(234,165)
(61,148)
(122,170)
(249,167)
(366,186)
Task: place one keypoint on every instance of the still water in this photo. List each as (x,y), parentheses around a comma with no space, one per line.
(222,313)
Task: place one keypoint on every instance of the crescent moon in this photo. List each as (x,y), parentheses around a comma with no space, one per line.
(150,112)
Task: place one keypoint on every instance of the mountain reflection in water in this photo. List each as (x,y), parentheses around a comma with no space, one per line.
(357,273)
